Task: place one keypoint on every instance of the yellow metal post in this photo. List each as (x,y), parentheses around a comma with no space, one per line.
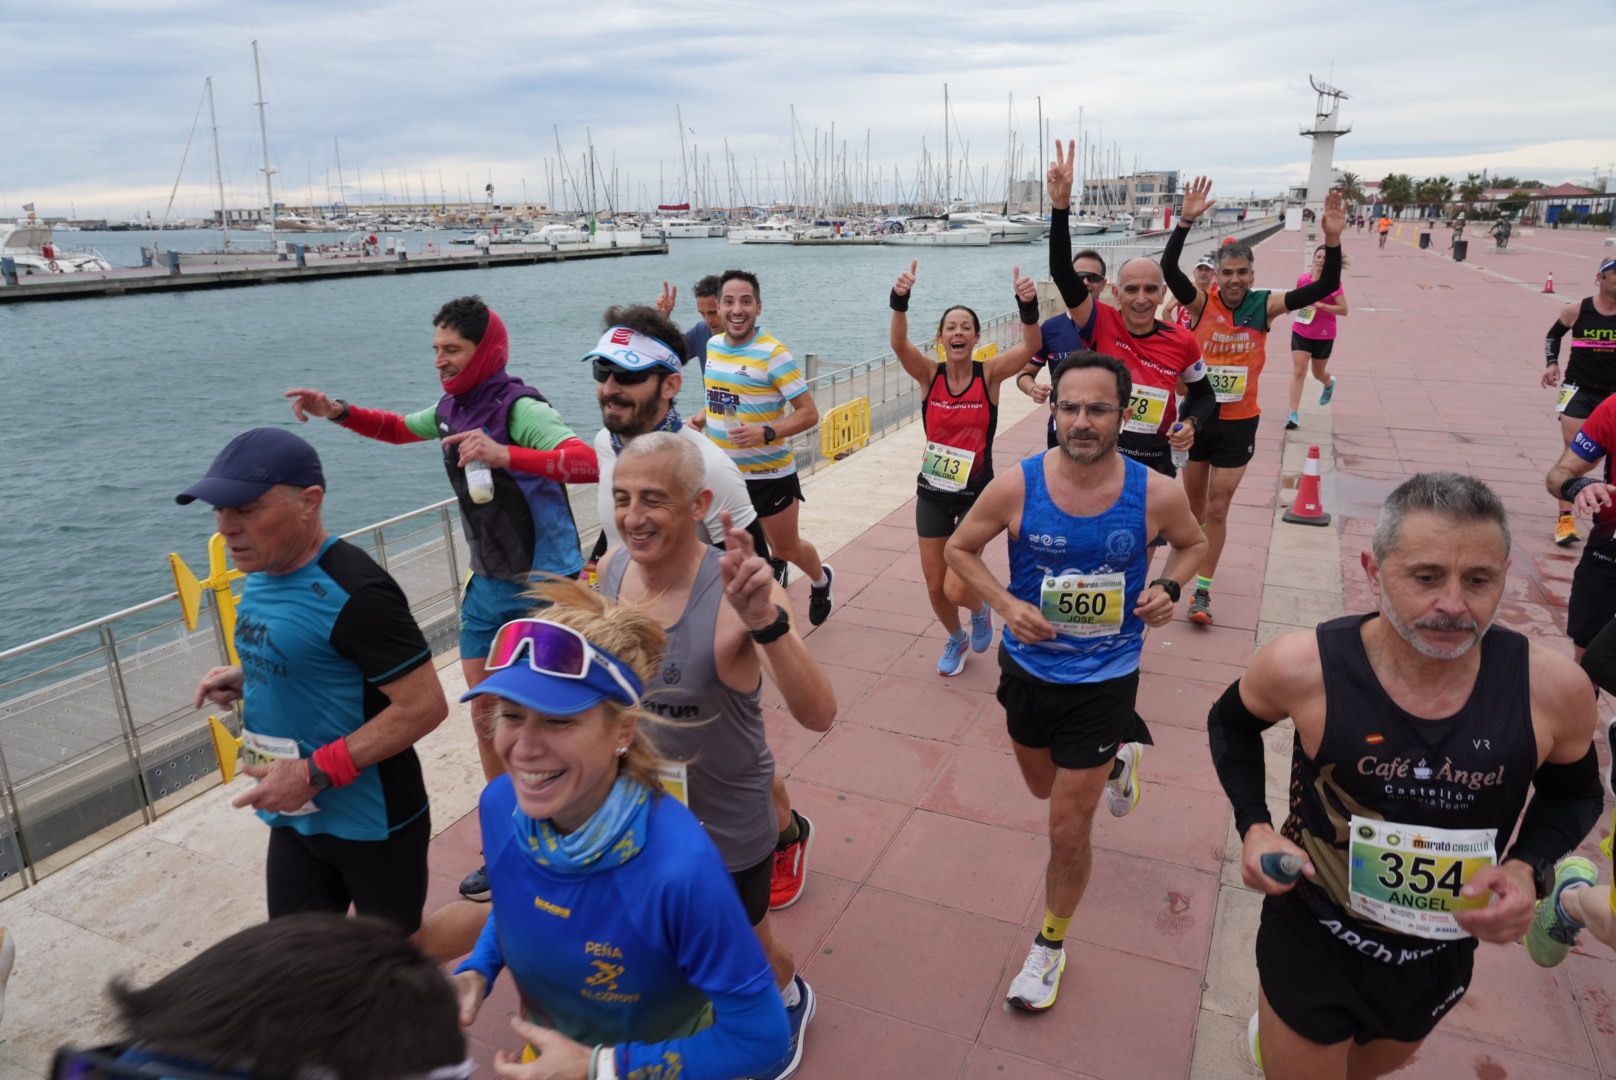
(220,578)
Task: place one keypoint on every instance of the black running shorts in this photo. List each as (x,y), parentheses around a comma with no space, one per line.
(1333,984)
(1593,599)
(774,494)
(1317,348)
(1226,444)
(1151,451)
(937,516)
(1583,403)
(754,884)
(384,878)
(1080,724)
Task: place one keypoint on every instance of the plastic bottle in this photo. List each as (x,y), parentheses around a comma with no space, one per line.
(480,481)
(1180,457)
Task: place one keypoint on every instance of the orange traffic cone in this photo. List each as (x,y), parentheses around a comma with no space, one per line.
(1548,286)
(1308,509)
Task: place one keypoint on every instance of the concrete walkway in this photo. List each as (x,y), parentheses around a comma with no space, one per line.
(925,881)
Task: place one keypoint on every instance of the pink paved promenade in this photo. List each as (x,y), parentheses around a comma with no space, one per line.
(925,885)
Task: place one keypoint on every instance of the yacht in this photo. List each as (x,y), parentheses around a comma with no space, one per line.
(1088,226)
(26,242)
(774,231)
(685,229)
(1001,230)
(939,232)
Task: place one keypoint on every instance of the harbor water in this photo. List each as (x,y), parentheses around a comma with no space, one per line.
(119,403)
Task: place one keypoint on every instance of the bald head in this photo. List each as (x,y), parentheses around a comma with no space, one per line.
(1140,288)
(1141,269)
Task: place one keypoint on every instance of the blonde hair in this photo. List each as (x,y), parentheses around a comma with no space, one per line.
(628,633)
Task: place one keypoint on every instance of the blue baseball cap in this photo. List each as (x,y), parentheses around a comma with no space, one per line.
(633,351)
(251,464)
(551,694)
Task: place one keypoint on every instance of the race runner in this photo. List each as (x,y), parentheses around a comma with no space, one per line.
(1419,731)
(1062,336)
(1593,585)
(518,523)
(1591,375)
(1231,324)
(1313,331)
(1158,355)
(1385,229)
(728,623)
(1080,519)
(960,414)
(699,334)
(750,376)
(1205,276)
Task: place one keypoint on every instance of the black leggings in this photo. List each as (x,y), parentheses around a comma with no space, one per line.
(384,878)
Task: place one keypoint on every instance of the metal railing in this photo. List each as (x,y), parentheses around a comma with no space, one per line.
(98,734)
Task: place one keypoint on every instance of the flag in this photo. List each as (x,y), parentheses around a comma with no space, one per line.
(28,206)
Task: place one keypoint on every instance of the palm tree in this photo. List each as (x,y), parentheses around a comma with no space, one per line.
(1351,187)
(1472,190)
(1397,190)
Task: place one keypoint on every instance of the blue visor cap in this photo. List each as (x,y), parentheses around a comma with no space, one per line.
(556,695)
(633,351)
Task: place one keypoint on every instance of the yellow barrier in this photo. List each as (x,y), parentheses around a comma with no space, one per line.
(986,352)
(845,428)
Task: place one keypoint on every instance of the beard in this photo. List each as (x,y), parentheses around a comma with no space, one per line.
(1407,631)
(638,420)
(1088,451)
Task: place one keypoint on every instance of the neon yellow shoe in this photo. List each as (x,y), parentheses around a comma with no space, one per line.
(1552,936)
(1253,1043)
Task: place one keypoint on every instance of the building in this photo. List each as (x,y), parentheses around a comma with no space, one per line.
(1132,193)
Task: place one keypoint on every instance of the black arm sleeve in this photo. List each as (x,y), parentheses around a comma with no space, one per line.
(599,548)
(1235,735)
(1599,661)
(1551,341)
(1073,291)
(1200,404)
(1566,800)
(1329,281)
(1182,288)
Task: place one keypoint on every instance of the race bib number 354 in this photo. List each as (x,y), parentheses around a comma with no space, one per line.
(1084,605)
(1408,878)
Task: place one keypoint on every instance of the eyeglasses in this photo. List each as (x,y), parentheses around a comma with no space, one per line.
(605,369)
(1089,277)
(1098,409)
(555,650)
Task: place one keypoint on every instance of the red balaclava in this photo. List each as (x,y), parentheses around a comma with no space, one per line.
(493,352)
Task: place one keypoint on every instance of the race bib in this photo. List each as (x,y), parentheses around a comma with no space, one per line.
(1407,878)
(1084,605)
(1147,408)
(1228,383)
(1305,316)
(262,749)
(946,468)
(675,777)
(1567,392)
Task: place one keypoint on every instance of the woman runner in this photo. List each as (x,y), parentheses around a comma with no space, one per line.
(1313,333)
(960,413)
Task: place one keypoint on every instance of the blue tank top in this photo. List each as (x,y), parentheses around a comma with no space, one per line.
(1060,563)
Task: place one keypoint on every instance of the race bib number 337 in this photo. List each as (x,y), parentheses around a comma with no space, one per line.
(1228,383)
(1408,878)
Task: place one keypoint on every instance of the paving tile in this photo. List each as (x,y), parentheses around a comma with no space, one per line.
(1220,1049)
(850,831)
(893,595)
(984,784)
(1181,702)
(1231,967)
(1233,610)
(804,925)
(1180,758)
(919,662)
(1300,573)
(866,559)
(946,977)
(1593,978)
(788,740)
(988,1063)
(1218,644)
(890,537)
(1301,607)
(932,709)
(862,647)
(1444,1056)
(881,764)
(1174,824)
(1161,663)
(885,620)
(1517,1005)
(1104,992)
(850,684)
(984,869)
(848,1040)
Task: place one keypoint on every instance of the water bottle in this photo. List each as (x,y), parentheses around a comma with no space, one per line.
(731,417)
(1179,456)
(480,481)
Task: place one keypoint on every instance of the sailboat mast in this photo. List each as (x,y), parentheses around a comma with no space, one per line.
(218,166)
(1040,176)
(263,133)
(948,154)
(684,156)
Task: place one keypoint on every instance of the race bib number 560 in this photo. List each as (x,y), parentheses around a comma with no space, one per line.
(1084,605)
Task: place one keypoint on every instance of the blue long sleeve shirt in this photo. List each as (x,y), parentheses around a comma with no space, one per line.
(654,957)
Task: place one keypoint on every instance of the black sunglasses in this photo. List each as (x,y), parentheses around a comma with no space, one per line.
(1089,277)
(605,369)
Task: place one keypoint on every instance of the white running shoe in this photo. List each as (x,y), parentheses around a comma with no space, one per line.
(1035,988)
(1253,1044)
(1122,791)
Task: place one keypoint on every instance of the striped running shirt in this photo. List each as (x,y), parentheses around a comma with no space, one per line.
(753,382)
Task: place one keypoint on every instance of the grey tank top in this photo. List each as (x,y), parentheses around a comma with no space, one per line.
(716,732)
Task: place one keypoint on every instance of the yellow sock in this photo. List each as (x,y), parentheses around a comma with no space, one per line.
(1055,926)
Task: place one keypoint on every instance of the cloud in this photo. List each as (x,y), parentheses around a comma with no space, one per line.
(105,92)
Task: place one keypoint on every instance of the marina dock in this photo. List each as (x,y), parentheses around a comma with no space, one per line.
(311,267)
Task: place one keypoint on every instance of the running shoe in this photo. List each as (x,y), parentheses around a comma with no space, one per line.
(952,662)
(798,1019)
(1035,988)
(1122,790)
(475,886)
(1253,1043)
(1565,530)
(791,866)
(1293,421)
(1201,608)
(819,598)
(781,570)
(1328,392)
(982,629)
(1551,936)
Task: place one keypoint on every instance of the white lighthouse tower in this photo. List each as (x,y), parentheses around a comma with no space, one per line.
(1324,131)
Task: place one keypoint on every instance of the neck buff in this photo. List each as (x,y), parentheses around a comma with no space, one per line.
(612,836)
(493,352)
(672,422)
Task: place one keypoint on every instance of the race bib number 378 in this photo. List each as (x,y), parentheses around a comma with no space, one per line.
(1408,878)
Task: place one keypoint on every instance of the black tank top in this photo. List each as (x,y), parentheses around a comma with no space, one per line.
(1470,770)
(1593,350)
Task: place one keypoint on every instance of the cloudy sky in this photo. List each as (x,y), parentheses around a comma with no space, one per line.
(100,96)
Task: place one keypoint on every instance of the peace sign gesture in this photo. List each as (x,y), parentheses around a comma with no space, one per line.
(1059,179)
(906,280)
(668,300)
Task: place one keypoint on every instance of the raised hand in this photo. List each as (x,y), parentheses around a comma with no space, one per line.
(669,298)
(747,577)
(1334,219)
(906,280)
(1197,200)
(1026,288)
(307,402)
(1059,180)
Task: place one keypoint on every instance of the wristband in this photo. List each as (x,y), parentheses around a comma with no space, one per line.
(343,415)
(1569,489)
(335,760)
(1029,311)
(1025,375)
(779,628)
(1554,361)
(898,301)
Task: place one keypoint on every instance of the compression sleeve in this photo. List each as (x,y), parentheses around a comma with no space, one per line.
(1599,659)
(1182,288)
(573,461)
(1235,736)
(1566,800)
(1329,281)
(1200,403)
(486,959)
(381,425)
(1073,291)
(1551,341)
(748,1034)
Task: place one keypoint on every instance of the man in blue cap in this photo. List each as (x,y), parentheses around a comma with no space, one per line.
(338,686)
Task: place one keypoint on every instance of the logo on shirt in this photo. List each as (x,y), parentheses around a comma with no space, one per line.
(1119,546)
(554,909)
(671,674)
(1445,786)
